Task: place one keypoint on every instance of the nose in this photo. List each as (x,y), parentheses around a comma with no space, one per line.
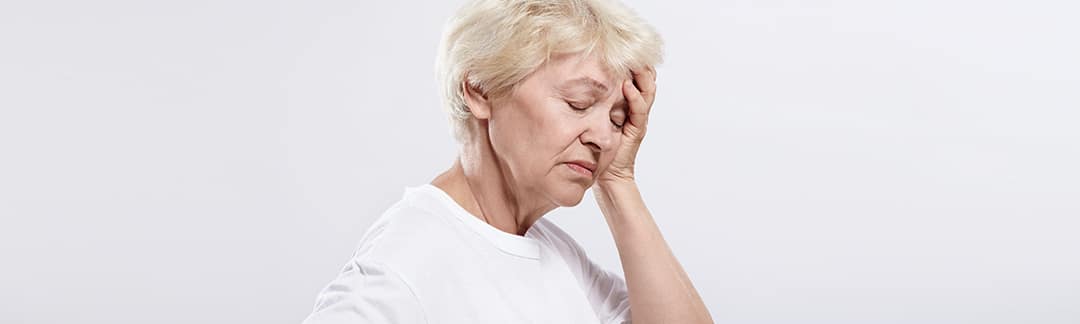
(599,134)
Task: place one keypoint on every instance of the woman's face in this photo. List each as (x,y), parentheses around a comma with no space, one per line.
(565,115)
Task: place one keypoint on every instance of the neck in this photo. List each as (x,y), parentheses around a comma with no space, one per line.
(485,189)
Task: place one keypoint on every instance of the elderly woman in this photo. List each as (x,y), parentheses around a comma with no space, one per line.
(548,98)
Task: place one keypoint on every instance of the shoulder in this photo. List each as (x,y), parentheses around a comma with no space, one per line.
(554,237)
(407,231)
(367,292)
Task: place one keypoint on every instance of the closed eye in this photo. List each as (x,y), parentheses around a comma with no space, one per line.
(577,106)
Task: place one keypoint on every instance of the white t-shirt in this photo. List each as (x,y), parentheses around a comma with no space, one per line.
(428,260)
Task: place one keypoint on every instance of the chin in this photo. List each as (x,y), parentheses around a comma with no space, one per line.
(568,195)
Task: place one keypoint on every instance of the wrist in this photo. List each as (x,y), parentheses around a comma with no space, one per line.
(611,193)
(621,203)
(615,182)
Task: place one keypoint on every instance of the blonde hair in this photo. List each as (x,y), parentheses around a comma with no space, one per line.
(497,43)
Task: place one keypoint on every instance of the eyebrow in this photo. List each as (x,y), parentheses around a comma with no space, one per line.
(585,81)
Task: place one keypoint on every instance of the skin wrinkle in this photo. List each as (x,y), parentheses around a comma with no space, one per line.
(595,89)
(513,164)
(516,143)
(512,171)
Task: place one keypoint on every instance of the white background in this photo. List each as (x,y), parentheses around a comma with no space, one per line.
(809,161)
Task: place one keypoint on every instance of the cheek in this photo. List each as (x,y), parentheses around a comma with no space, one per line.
(548,129)
(527,136)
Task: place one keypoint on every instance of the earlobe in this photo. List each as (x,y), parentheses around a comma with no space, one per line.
(475,100)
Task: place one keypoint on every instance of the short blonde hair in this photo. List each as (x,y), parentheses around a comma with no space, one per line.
(498,43)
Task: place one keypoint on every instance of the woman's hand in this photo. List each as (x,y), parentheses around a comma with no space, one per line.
(658,287)
(640,91)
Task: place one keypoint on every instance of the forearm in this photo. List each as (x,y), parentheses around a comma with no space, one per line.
(659,289)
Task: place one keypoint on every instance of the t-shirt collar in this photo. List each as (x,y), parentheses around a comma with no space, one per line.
(510,243)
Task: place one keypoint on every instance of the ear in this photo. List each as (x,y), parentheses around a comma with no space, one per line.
(476,100)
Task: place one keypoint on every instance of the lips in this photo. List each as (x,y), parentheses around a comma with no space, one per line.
(585,164)
(584,167)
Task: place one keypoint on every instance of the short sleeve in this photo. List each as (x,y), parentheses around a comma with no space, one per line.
(605,290)
(366,292)
(608,294)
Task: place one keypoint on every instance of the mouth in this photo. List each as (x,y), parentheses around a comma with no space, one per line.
(584,168)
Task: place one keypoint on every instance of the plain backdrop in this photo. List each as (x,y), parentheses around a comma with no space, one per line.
(823,161)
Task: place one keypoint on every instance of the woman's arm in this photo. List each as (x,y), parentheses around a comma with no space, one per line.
(659,289)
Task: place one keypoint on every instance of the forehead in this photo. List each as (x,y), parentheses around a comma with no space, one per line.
(579,71)
(583,82)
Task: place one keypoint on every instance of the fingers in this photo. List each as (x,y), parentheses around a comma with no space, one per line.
(645,81)
(639,106)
